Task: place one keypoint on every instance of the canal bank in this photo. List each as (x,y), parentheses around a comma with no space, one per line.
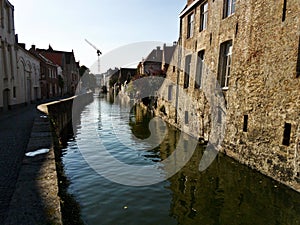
(38,196)
(61,113)
(35,199)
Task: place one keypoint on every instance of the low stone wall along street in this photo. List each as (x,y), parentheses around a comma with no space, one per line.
(51,176)
(61,112)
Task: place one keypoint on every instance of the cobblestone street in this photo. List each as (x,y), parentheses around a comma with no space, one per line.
(15,129)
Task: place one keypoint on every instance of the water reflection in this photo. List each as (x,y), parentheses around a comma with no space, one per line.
(229,193)
(225,193)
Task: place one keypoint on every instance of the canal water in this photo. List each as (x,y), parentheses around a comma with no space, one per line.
(225,193)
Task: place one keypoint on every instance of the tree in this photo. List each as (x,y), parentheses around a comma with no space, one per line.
(89,81)
(83,69)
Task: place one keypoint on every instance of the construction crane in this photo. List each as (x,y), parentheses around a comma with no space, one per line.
(98,53)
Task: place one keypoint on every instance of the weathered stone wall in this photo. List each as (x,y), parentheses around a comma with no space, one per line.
(264,87)
(263,83)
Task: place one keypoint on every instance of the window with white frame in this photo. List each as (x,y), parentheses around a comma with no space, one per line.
(229,7)
(190,25)
(199,69)
(203,16)
(225,64)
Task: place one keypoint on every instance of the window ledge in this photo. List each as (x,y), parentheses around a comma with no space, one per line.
(227,17)
(224,88)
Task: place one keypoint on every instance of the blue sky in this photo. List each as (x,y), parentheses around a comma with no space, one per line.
(108,24)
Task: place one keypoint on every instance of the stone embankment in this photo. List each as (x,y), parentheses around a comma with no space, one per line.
(36,199)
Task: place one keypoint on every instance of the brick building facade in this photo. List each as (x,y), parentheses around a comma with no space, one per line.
(68,64)
(48,76)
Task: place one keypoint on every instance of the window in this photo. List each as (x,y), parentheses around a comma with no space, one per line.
(186,117)
(187,71)
(174,69)
(225,64)
(220,115)
(199,69)
(236,28)
(170,89)
(298,61)
(245,126)
(3,56)
(14,92)
(8,19)
(190,26)
(1,15)
(229,7)
(284,10)
(287,134)
(203,16)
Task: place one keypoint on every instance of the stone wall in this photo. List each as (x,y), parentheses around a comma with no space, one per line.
(62,112)
(265,88)
(262,97)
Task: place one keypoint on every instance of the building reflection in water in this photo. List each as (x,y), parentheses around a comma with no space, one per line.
(225,193)
(230,193)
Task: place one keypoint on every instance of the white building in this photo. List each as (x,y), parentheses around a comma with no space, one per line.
(8,74)
(28,72)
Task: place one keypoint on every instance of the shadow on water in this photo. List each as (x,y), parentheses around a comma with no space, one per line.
(71,213)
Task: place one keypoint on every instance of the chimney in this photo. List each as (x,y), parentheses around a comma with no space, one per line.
(16,38)
(157,51)
(33,47)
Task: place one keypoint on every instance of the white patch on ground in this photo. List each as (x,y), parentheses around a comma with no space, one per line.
(37,152)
